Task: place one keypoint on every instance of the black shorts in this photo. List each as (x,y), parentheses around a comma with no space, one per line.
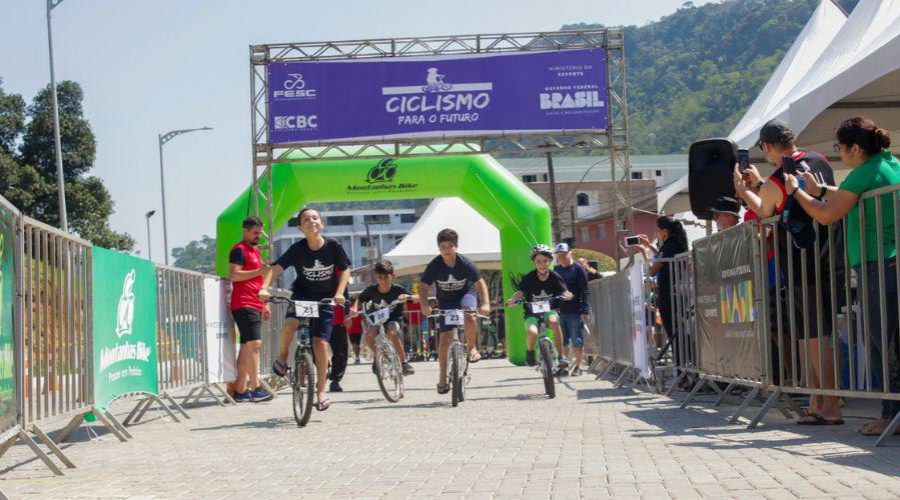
(355,338)
(249,323)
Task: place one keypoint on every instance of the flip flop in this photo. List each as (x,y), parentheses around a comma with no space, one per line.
(279,368)
(443,388)
(323,404)
(819,420)
(474,357)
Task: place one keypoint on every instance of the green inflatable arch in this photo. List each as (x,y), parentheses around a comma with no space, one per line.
(522,217)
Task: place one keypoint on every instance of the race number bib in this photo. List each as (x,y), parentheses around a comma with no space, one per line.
(380,316)
(306,309)
(454,318)
(540,307)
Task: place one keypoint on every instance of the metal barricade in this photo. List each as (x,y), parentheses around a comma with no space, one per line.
(56,324)
(271,330)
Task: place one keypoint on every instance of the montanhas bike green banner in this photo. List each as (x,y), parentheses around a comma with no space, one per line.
(7,301)
(124,326)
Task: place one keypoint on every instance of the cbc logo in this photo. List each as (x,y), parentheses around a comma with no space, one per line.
(296,122)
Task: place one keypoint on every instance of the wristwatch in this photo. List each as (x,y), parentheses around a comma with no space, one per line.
(759,185)
(822,192)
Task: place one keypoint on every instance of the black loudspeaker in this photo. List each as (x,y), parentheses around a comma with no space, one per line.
(710,166)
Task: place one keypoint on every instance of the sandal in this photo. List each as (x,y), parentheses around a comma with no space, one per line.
(474,357)
(869,429)
(443,388)
(323,404)
(279,368)
(818,419)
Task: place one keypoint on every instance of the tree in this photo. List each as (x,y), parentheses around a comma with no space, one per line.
(28,165)
(197,256)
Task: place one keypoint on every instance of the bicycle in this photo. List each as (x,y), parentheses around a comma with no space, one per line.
(457,354)
(547,355)
(387,362)
(302,374)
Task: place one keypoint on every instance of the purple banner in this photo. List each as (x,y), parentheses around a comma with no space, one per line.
(442,96)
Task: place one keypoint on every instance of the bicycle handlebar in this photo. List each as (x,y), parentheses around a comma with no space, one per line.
(277,299)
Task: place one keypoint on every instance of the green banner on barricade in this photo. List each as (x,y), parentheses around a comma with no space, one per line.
(7,303)
(124,326)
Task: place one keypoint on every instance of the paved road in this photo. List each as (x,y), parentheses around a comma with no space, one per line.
(506,441)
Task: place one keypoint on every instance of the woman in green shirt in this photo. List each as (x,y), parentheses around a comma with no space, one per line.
(864,148)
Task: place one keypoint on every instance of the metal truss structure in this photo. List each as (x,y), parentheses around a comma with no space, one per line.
(613,141)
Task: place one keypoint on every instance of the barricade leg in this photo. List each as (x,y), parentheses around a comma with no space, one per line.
(147,403)
(745,403)
(21,434)
(117,424)
(697,386)
(723,394)
(889,430)
(174,403)
(50,444)
(676,383)
(227,397)
(135,410)
(268,388)
(76,421)
(190,394)
(618,382)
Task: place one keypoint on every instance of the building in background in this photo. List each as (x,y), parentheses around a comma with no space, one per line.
(365,230)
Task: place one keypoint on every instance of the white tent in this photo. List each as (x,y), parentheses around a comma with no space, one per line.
(837,67)
(855,71)
(478,239)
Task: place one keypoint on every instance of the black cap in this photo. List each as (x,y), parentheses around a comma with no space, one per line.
(775,132)
(726,205)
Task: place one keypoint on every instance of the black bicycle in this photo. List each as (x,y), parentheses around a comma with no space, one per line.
(547,355)
(302,374)
(457,356)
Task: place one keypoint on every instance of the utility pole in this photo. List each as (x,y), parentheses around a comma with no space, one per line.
(554,215)
(572,213)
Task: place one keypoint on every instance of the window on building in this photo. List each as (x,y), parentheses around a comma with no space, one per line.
(582,200)
(601,232)
(364,241)
(529,178)
(637,175)
(408,218)
(585,235)
(377,219)
(659,173)
(339,220)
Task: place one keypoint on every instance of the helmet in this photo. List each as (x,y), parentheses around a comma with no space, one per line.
(540,248)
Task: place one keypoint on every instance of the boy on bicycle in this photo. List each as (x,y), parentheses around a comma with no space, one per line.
(541,285)
(456,279)
(381,295)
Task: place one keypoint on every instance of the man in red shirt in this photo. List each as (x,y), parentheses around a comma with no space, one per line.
(246,270)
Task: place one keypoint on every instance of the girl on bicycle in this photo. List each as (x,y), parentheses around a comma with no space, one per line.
(315,260)
(541,285)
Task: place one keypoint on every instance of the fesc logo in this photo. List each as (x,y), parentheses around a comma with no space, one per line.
(294,88)
(382,172)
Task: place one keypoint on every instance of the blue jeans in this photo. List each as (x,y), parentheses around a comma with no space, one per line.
(572,329)
(888,408)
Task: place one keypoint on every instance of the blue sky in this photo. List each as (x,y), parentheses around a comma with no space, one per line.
(149,67)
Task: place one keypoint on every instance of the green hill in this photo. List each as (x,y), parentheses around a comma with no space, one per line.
(694,73)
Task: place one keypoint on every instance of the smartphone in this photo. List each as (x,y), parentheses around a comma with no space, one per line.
(743,159)
(632,241)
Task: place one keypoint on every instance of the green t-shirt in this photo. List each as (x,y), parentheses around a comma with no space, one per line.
(878,171)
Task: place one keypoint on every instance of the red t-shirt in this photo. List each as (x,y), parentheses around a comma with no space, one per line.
(355,325)
(414,313)
(246,293)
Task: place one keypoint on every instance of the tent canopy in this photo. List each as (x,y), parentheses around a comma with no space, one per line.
(478,239)
(838,67)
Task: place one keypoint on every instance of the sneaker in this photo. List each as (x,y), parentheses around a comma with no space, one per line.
(408,369)
(563,362)
(335,386)
(529,358)
(260,396)
(561,372)
(576,371)
(242,397)
(356,361)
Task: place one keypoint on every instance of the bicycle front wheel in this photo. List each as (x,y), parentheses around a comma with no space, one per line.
(390,376)
(547,368)
(304,387)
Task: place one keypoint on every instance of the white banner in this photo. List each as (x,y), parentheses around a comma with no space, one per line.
(220,344)
(639,309)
